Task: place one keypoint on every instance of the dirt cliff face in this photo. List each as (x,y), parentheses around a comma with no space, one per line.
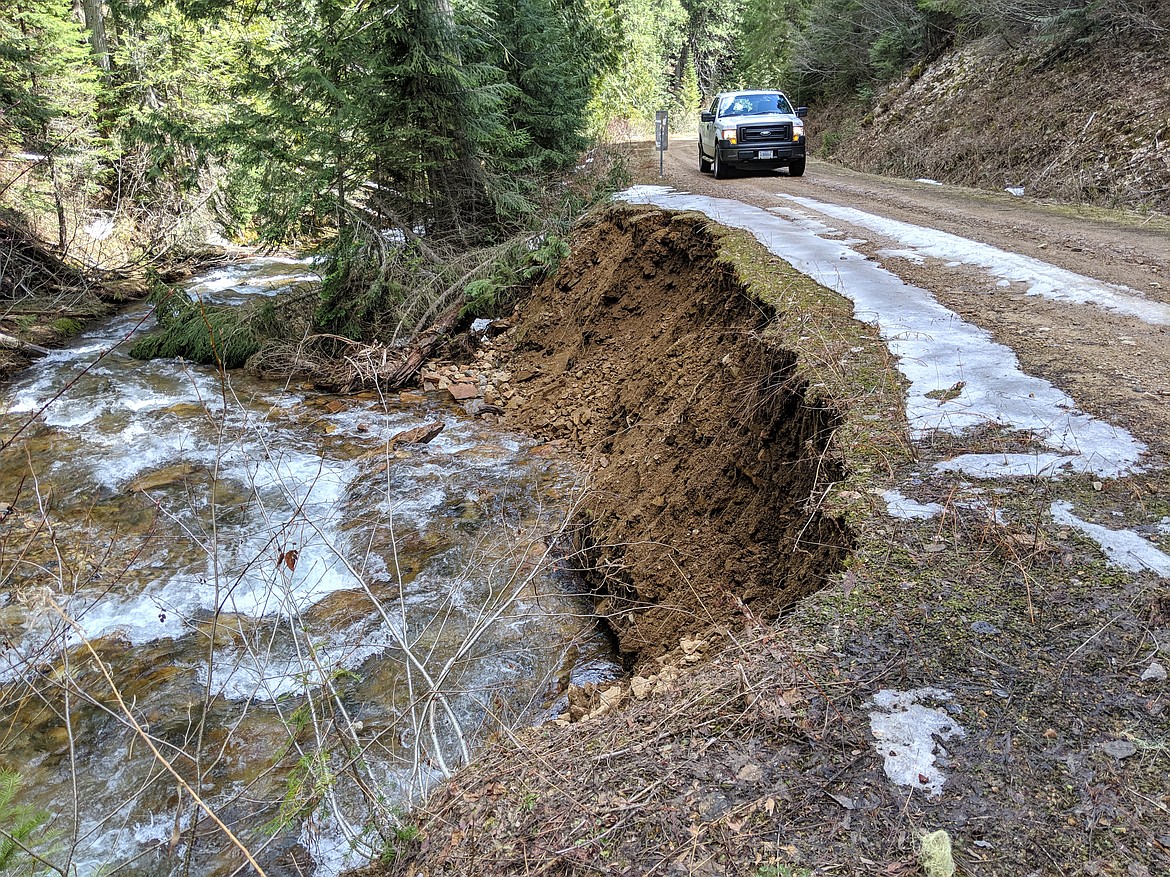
(1085,126)
(644,352)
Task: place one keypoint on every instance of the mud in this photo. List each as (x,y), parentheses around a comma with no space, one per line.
(644,353)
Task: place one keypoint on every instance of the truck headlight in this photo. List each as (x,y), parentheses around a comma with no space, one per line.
(797,132)
(728,134)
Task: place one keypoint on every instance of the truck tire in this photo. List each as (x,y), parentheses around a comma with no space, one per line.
(718,169)
(704,165)
(796,167)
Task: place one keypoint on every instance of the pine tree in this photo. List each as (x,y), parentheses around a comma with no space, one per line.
(48,89)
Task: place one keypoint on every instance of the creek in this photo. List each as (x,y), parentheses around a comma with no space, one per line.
(228,596)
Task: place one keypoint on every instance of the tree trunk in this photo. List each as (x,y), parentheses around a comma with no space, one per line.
(58,203)
(95,23)
(47,148)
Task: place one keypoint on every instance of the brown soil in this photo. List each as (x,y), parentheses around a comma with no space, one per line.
(645,352)
(746,749)
(1087,125)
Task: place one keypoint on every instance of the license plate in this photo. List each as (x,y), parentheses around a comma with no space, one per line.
(766,153)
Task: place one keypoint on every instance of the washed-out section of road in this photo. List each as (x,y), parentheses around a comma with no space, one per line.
(960,377)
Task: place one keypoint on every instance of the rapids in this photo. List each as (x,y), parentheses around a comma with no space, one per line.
(221,588)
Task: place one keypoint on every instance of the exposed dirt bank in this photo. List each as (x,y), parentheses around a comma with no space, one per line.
(764,748)
(645,353)
(1087,125)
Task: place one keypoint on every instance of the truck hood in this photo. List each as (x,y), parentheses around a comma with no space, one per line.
(762,119)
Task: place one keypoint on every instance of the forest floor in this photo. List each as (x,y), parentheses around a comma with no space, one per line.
(838,641)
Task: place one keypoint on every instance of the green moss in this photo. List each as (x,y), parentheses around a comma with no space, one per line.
(66,327)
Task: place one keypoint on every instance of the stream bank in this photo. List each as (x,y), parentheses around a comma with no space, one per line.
(764,746)
(229,601)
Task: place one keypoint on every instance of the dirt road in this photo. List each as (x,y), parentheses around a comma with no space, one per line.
(1115,365)
(812,606)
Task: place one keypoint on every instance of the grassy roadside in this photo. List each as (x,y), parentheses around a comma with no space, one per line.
(749,749)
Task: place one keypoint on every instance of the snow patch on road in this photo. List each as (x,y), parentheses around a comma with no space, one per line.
(1042,278)
(959,376)
(1124,548)
(908,255)
(905,732)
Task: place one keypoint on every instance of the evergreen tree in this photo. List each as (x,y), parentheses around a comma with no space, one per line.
(710,45)
(171,81)
(653,33)
(767,29)
(48,90)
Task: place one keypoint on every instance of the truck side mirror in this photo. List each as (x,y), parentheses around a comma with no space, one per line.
(706,117)
(802,111)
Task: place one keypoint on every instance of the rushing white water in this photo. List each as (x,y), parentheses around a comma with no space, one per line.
(268,585)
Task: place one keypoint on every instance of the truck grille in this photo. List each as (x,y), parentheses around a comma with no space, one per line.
(751,134)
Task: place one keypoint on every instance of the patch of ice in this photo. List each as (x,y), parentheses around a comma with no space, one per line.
(909,255)
(1042,278)
(1015,190)
(1124,548)
(928,181)
(1163,526)
(905,732)
(903,507)
(936,351)
(1042,465)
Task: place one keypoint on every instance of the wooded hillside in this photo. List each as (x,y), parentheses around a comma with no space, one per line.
(430,148)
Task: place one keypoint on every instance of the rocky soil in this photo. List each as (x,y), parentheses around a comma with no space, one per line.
(1090,124)
(753,739)
(705,453)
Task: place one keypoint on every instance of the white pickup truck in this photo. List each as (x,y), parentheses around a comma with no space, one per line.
(751,129)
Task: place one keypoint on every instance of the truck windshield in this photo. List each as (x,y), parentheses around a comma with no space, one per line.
(754,104)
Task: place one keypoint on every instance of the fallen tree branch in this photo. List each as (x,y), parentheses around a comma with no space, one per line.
(13,342)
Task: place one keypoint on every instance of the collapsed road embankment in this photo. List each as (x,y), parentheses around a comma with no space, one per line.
(647,354)
(962,678)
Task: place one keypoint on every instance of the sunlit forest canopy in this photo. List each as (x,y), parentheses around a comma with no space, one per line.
(400,137)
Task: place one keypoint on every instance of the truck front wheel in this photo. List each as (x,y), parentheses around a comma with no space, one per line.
(796,167)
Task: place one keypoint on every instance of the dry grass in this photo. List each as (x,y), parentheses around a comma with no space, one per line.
(748,750)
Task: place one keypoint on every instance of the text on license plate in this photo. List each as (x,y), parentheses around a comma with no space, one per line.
(766,153)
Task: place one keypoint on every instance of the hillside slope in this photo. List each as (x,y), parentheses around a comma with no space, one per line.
(1089,126)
